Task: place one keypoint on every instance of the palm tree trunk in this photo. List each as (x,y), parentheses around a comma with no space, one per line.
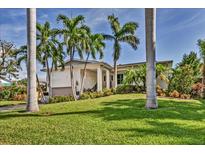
(115,74)
(84,74)
(40,89)
(49,79)
(71,76)
(150,19)
(32,104)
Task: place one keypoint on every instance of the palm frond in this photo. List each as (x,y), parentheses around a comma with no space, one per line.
(114,23)
(131,40)
(77,20)
(108,37)
(128,28)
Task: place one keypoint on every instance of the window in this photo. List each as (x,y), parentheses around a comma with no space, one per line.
(119,78)
(111,77)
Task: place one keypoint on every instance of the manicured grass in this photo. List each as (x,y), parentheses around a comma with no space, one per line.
(118,119)
(10,103)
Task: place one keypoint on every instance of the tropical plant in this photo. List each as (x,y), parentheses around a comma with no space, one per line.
(8,62)
(201,44)
(163,72)
(94,45)
(74,33)
(121,34)
(50,50)
(137,76)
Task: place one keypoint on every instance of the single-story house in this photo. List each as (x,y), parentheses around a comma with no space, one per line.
(99,75)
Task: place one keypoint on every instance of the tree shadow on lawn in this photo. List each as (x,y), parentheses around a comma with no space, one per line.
(167,133)
(23,113)
(135,109)
(127,109)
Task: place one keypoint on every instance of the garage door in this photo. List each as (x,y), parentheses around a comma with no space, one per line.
(62,91)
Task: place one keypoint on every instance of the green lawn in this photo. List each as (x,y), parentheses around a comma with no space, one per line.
(118,119)
(10,103)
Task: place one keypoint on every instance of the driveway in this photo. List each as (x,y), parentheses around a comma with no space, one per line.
(12,107)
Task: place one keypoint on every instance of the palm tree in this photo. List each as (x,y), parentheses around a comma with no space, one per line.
(94,45)
(201,44)
(74,32)
(21,56)
(150,17)
(125,34)
(49,49)
(32,104)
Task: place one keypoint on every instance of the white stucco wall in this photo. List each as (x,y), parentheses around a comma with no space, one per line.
(91,79)
(60,78)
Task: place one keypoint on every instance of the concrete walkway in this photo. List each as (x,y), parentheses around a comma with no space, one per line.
(12,107)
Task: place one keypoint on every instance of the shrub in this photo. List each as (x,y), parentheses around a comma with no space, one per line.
(5,94)
(58,99)
(85,95)
(20,97)
(160,91)
(97,94)
(174,94)
(185,96)
(107,92)
(113,90)
(196,89)
(126,89)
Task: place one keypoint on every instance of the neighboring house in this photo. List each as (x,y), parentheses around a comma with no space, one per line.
(99,75)
(4,82)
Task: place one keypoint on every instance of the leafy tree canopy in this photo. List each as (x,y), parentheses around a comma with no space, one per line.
(8,63)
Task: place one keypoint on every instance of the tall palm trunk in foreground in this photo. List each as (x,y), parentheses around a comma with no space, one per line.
(32,104)
(150,21)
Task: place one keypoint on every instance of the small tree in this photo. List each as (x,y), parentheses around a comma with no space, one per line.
(194,62)
(201,44)
(8,63)
(182,79)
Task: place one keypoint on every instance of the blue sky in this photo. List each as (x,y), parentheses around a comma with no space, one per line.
(177,29)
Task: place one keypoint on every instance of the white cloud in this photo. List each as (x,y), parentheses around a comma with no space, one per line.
(10,30)
(191,21)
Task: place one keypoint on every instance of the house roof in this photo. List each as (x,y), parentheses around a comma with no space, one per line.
(111,67)
(140,63)
(90,62)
